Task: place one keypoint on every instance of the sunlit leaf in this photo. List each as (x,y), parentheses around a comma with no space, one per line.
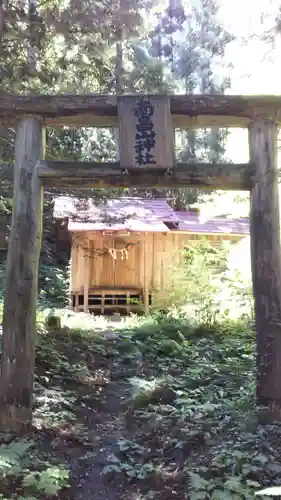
(274,491)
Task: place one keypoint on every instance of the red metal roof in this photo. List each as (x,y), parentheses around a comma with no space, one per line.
(84,210)
(196,223)
(137,214)
(132,214)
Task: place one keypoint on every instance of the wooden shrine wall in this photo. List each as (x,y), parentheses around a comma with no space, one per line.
(153,260)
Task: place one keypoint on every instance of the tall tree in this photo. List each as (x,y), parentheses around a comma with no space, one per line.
(197,54)
(181,52)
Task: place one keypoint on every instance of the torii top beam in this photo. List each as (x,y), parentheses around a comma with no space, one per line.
(188,111)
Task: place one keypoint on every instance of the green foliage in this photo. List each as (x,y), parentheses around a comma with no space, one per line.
(193,413)
(205,287)
(30,468)
(193,430)
(63,361)
(10,456)
(53,285)
(208,263)
(20,465)
(48,482)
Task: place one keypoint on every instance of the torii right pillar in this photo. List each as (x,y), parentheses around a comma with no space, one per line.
(266,263)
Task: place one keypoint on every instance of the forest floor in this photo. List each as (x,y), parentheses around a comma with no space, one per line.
(144,410)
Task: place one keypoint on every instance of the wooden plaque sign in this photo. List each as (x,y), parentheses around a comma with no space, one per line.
(145,132)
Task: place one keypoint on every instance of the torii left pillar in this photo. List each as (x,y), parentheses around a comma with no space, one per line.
(20,297)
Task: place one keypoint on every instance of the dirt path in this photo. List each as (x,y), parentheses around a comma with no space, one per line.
(104,419)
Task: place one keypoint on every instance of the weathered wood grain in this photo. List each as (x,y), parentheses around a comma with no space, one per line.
(19,317)
(161,152)
(198,111)
(90,174)
(266,264)
(106,175)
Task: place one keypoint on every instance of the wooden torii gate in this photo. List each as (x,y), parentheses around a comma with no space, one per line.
(146,152)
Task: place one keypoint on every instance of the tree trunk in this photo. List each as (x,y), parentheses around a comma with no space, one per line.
(31,48)
(266,264)
(19,318)
(2,19)
(119,65)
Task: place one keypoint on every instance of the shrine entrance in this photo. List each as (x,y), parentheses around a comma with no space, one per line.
(146,127)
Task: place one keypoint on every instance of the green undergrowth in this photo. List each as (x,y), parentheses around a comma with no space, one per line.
(194,431)
(26,474)
(191,430)
(35,466)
